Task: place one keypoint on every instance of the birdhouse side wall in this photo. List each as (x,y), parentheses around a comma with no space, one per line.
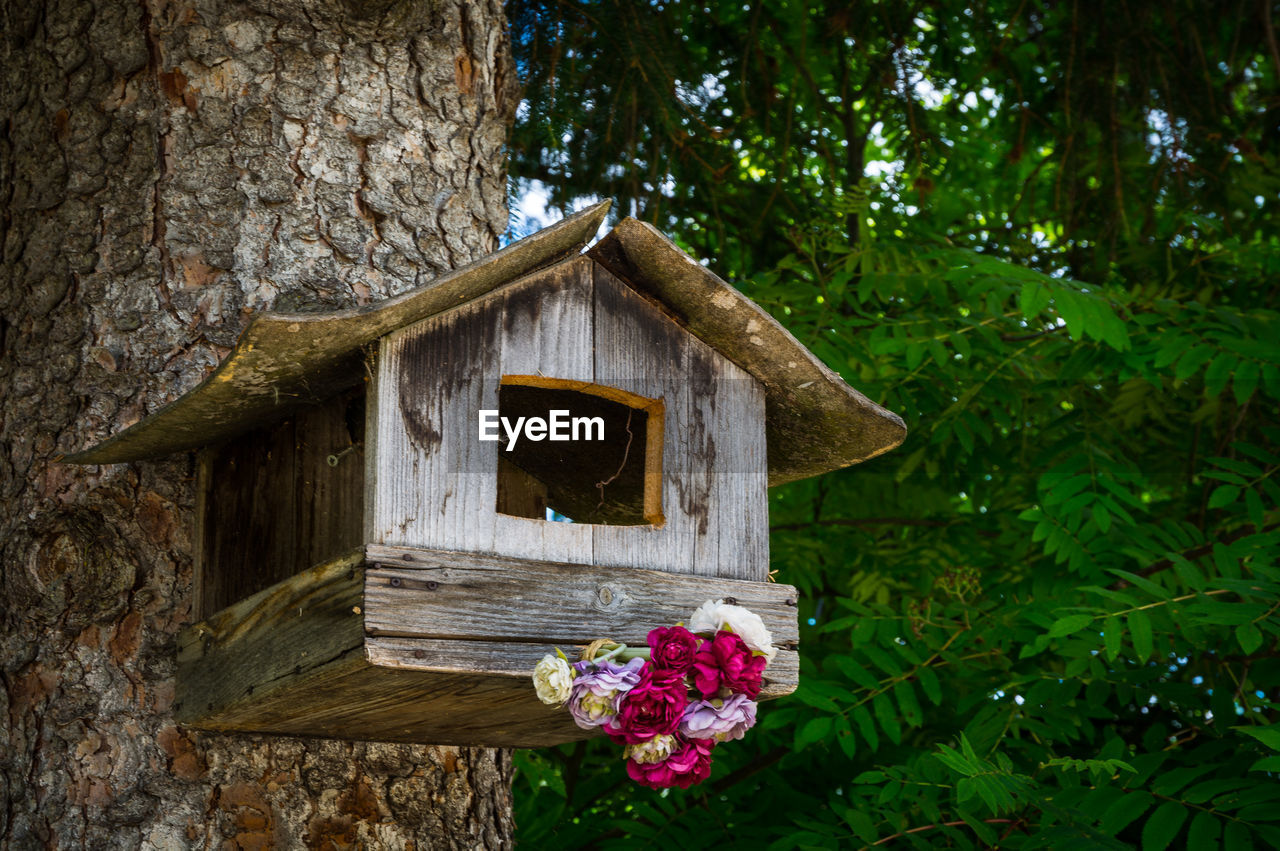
(279,499)
(432,483)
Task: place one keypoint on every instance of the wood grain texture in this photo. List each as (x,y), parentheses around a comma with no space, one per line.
(353,699)
(548,330)
(714,493)
(640,351)
(412,592)
(516,660)
(269,641)
(434,648)
(272,504)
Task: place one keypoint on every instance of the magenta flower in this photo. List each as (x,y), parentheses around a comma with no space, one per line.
(654,707)
(673,648)
(726,662)
(688,764)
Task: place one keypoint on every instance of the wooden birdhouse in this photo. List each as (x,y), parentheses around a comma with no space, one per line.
(403,506)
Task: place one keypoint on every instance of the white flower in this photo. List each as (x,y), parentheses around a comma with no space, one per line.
(715,615)
(552,680)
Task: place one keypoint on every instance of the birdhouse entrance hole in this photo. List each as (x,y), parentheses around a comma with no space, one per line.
(598,461)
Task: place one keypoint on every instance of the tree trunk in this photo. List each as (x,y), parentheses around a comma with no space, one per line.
(168,168)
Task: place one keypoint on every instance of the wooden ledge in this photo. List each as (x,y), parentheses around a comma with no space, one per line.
(415,645)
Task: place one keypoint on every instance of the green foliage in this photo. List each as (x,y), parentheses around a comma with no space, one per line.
(1052,617)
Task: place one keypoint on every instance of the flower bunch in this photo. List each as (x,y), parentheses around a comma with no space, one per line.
(671,703)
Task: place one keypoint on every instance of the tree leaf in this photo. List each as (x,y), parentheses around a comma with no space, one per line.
(866,727)
(1068,625)
(1140,632)
(888,718)
(1223,495)
(1203,833)
(1245,381)
(1268,735)
(1163,826)
(814,730)
(1249,636)
(1033,299)
(1112,636)
(929,683)
(1124,811)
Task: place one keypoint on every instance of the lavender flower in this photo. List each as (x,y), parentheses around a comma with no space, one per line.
(598,689)
(721,720)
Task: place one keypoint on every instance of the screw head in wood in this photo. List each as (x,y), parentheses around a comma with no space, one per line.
(432,585)
(395,582)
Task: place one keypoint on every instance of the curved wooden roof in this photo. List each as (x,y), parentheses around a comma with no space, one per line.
(815,422)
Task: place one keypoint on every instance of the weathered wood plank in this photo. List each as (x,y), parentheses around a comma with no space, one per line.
(353,699)
(489,598)
(516,660)
(268,641)
(642,352)
(547,331)
(299,658)
(737,499)
(271,504)
(440,488)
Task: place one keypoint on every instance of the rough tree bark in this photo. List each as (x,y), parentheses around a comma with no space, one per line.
(168,167)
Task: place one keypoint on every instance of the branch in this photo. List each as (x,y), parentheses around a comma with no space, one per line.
(923,828)
(1204,549)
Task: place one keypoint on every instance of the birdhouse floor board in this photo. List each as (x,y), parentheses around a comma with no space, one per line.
(513,660)
(440,594)
(266,642)
(312,655)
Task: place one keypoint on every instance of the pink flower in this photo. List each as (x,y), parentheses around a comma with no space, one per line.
(688,764)
(672,648)
(726,662)
(720,720)
(653,708)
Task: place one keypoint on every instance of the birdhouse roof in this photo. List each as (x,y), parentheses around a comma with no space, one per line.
(815,422)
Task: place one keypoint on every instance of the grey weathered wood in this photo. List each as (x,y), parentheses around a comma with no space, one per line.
(715,426)
(816,422)
(300,657)
(272,639)
(272,504)
(738,498)
(548,331)
(516,660)
(437,481)
(640,351)
(421,593)
(283,360)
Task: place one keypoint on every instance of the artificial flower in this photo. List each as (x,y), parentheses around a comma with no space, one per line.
(653,708)
(672,648)
(715,615)
(597,689)
(690,763)
(552,680)
(726,662)
(720,720)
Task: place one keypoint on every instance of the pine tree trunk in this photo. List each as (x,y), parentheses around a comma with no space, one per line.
(168,168)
